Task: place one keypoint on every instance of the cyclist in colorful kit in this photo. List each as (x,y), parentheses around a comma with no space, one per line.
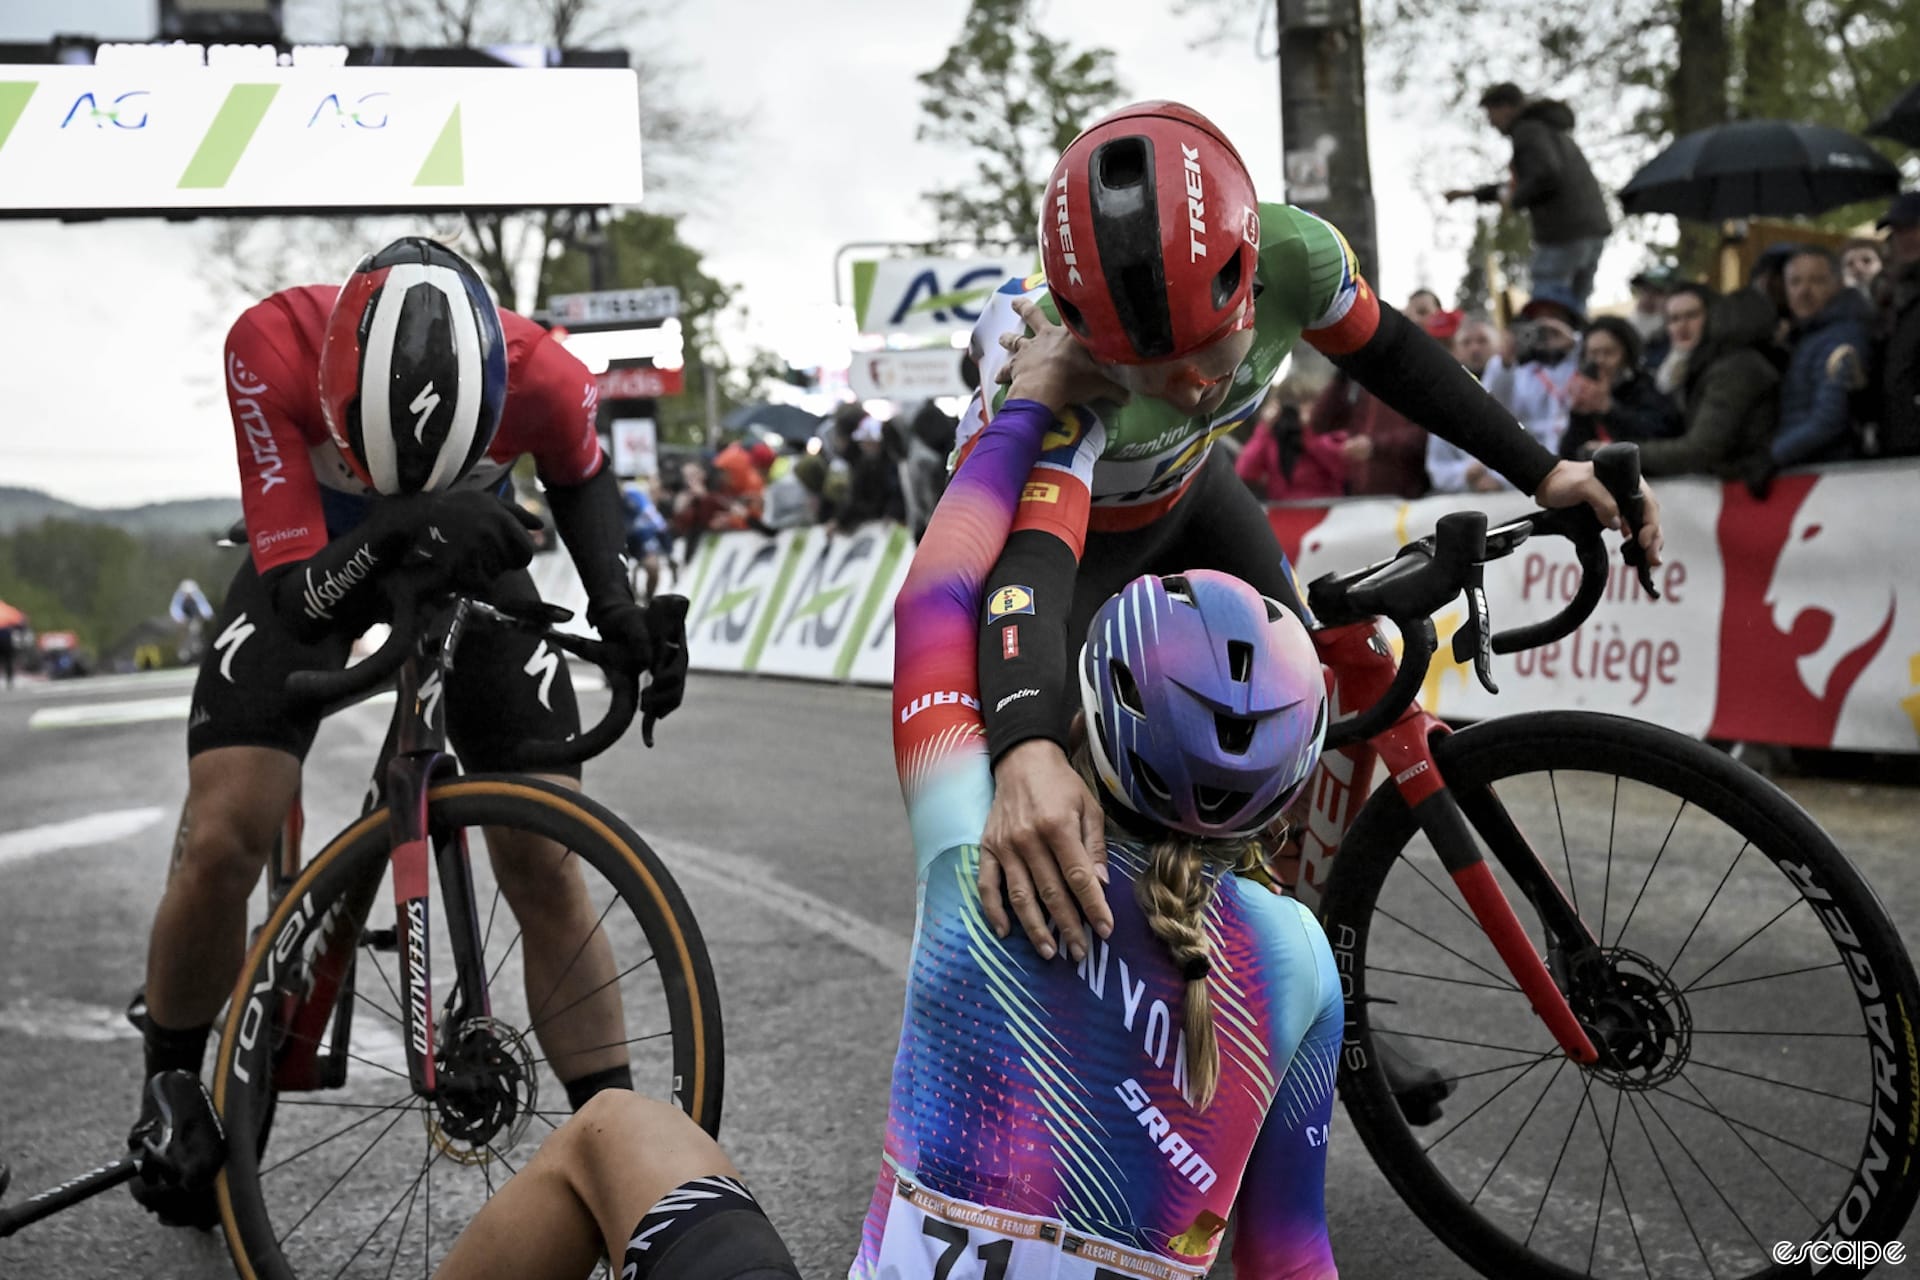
(1047,1122)
(376,426)
(1183,289)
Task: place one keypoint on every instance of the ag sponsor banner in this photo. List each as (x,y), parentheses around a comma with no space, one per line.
(123,138)
(808,602)
(1779,621)
(926,296)
(907,375)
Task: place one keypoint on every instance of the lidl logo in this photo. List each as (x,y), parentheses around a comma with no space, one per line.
(1066,431)
(1010,600)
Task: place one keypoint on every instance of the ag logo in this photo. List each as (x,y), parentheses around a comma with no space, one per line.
(1010,600)
(118,114)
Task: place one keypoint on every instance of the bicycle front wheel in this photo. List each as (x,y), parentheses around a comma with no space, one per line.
(1759,1084)
(606,969)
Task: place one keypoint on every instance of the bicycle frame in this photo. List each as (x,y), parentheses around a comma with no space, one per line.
(1360,666)
(412,758)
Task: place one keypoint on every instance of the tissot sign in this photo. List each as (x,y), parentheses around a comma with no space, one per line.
(136,138)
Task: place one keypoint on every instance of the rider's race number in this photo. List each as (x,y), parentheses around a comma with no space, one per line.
(934,1237)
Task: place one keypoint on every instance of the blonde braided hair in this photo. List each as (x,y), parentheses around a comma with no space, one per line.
(1174,895)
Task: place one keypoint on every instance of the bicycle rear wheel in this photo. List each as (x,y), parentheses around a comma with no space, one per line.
(1759,1081)
(368,1179)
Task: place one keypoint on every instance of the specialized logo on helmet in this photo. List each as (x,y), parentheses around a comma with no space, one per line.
(423,404)
(1062,229)
(1196,205)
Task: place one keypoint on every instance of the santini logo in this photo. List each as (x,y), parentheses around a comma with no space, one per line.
(1015,696)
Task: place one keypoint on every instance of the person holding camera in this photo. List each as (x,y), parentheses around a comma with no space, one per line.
(1534,377)
(1612,397)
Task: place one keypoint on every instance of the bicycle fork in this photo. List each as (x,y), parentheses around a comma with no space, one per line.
(1409,758)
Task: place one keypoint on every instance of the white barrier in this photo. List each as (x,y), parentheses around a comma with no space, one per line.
(1795,620)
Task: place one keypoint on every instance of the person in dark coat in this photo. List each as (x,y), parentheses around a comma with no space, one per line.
(1898,331)
(1613,396)
(1551,180)
(1730,398)
(1827,363)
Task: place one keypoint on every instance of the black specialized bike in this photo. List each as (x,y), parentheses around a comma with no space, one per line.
(392,1051)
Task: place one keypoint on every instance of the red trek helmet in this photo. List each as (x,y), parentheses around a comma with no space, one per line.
(1149,234)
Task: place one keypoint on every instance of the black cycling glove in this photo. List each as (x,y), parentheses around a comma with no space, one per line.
(667,626)
(473,537)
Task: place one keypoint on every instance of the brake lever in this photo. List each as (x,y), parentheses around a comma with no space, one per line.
(1475,636)
(1617,467)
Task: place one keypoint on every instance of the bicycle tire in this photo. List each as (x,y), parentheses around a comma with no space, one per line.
(1758,812)
(582,826)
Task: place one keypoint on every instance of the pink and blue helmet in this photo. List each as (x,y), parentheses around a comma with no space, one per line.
(1205,703)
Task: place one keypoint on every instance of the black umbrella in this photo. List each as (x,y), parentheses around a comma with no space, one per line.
(791,424)
(1901,121)
(1760,168)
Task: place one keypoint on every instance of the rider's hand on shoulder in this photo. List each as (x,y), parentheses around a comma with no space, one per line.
(473,536)
(1045,840)
(1570,484)
(1050,367)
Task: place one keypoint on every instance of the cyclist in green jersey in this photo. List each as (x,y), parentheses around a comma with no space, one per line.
(1186,291)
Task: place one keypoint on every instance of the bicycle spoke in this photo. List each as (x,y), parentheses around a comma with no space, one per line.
(1442,894)
(1743,942)
(1382,911)
(1547,1194)
(493,909)
(400,1237)
(1566,852)
(1487,1102)
(1626,924)
(1511,1066)
(1677,1201)
(388,982)
(1782,1084)
(1471,1044)
(1606,884)
(1802,1035)
(1607,1141)
(332,1186)
(1524,1121)
(1784,973)
(501,1157)
(308,1150)
(1765,1133)
(284,1100)
(1434,977)
(635,968)
(1715,897)
(386,1217)
(362,997)
(1693,1160)
(314,1041)
(506,955)
(613,1044)
(533,1018)
(1741,1138)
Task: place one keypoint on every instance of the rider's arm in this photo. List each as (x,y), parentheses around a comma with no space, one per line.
(316,586)
(1279,1217)
(937,740)
(557,399)
(1027,685)
(1418,378)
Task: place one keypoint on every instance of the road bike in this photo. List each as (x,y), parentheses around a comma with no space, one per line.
(1720,1057)
(381,1068)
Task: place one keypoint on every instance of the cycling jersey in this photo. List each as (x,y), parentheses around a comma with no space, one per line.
(1038,1127)
(296,489)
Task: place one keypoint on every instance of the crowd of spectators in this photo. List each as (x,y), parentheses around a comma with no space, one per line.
(1816,359)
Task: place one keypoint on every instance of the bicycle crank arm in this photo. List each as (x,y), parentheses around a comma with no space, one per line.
(1446,827)
(67,1194)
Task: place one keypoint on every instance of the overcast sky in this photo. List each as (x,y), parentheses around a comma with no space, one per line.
(109,342)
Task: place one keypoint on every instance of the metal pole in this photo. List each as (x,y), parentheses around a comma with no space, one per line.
(1323,119)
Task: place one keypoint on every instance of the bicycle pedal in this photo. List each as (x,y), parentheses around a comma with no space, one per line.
(380,939)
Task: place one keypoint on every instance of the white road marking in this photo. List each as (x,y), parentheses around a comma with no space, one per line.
(756,881)
(97,828)
(98,713)
(94,686)
(57,1019)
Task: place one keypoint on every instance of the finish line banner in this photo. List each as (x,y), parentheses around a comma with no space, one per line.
(1793,621)
(132,139)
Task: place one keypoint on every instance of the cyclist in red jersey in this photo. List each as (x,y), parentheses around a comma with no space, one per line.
(375,424)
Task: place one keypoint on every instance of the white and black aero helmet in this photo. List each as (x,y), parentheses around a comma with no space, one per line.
(413,372)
